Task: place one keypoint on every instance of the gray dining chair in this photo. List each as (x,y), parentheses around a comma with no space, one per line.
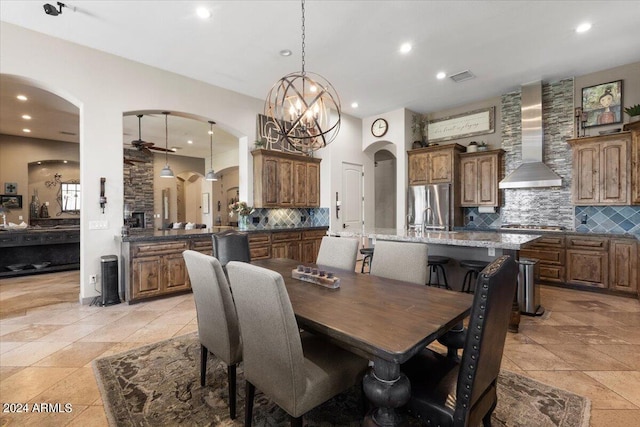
(296,371)
(217,319)
(448,392)
(406,261)
(338,252)
(231,245)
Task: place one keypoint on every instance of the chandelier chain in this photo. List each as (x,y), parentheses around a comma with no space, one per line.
(303,37)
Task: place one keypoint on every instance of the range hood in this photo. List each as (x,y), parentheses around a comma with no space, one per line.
(532,172)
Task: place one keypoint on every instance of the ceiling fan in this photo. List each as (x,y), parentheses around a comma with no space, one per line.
(144,146)
(129,161)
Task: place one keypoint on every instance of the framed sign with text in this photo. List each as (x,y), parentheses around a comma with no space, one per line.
(477,122)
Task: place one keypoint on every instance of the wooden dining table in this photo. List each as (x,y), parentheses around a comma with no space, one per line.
(386,321)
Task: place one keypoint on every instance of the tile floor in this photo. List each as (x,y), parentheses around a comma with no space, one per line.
(587,343)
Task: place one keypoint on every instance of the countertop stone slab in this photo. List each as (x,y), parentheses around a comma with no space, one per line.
(476,239)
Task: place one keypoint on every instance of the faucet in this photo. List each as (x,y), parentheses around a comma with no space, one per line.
(424,218)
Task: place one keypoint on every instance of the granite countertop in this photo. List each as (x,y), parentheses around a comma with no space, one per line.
(150,235)
(38,229)
(477,239)
(547,232)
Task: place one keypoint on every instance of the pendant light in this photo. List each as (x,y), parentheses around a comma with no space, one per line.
(304,108)
(166,171)
(211,176)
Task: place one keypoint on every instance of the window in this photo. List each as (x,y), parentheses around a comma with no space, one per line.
(70,197)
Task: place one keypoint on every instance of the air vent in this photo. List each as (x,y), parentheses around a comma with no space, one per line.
(462,76)
(68,133)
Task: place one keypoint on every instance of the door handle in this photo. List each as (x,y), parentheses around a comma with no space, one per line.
(345,225)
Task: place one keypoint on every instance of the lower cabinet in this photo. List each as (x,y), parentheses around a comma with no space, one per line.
(301,246)
(589,268)
(623,259)
(549,250)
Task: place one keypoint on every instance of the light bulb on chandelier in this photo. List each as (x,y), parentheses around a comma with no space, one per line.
(304,107)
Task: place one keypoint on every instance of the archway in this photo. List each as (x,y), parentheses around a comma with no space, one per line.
(385,189)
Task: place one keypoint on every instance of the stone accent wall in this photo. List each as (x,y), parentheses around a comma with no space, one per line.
(138,184)
(540,206)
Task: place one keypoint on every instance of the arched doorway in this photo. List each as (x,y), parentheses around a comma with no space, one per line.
(385,189)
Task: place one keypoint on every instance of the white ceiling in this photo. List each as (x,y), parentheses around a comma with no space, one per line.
(354,44)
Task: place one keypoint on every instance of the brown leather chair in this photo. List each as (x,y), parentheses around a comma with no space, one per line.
(445,392)
(217,319)
(296,371)
(231,245)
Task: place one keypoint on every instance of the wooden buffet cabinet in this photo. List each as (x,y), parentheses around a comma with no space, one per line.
(480,174)
(283,180)
(587,261)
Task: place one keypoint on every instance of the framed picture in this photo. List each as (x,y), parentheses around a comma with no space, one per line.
(11,201)
(205,203)
(477,122)
(10,188)
(602,104)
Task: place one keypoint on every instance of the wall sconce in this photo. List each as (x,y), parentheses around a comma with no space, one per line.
(338,204)
(103,199)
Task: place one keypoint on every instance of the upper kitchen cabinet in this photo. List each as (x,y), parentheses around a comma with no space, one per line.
(434,165)
(283,180)
(480,173)
(635,161)
(602,170)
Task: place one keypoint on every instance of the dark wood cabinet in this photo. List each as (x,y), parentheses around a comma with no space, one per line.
(298,245)
(283,180)
(479,176)
(623,265)
(550,251)
(588,261)
(635,161)
(434,165)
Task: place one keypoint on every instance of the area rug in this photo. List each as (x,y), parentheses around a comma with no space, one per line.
(159,385)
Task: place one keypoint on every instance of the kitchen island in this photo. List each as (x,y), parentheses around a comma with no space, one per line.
(152,264)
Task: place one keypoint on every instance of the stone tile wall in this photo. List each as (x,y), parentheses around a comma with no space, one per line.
(138,185)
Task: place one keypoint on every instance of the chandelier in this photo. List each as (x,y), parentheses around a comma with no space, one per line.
(300,105)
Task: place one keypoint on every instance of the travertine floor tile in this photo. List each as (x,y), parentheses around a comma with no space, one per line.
(175,317)
(30,333)
(7,371)
(590,335)
(625,334)
(30,353)
(153,333)
(23,386)
(6,346)
(75,355)
(625,383)
(187,330)
(93,416)
(79,388)
(530,357)
(110,333)
(72,332)
(43,419)
(627,354)
(609,418)
(544,334)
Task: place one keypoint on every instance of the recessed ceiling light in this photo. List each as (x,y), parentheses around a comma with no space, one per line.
(22,97)
(441,75)
(64,161)
(174,149)
(189,142)
(354,105)
(583,28)
(26,130)
(26,117)
(39,163)
(405,48)
(203,13)
(285,52)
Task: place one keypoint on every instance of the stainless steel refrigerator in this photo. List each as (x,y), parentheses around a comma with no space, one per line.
(428,207)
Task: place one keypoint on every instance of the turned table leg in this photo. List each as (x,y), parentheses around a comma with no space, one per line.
(387,389)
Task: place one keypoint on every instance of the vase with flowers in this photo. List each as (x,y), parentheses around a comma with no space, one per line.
(243,211)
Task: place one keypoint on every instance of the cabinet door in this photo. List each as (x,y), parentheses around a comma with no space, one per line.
(488,181)
(613,173)
(635,167)
(269,182)
(300,184)
(440,167)
(313,185)
(585,189)
(418,168)
(587,268)
(146,277)
(285,183)
(310,251)
(469,181)
(623,263)
(176,277)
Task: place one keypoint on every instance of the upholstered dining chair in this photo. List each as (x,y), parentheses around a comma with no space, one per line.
(231,245)
(405,261)
(338,252)
(217,319)
(297,371)
(446,392)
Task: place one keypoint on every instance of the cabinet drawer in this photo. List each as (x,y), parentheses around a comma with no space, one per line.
(286,236)
(9,240)
(313,234)
(204,246)
(259,238)
(54,237)
(551,273)
(588,243)
(148,249)
(549,241)
(546,255)
(260,252)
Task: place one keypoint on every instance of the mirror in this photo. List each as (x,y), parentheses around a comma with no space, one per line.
(69,197)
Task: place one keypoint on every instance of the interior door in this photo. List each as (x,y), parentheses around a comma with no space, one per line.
(352,200)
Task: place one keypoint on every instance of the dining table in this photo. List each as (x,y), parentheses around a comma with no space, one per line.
(384,320)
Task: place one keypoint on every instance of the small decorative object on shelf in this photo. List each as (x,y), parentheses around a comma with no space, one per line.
(633,112)
(315,276)
(483,146)
(472,147)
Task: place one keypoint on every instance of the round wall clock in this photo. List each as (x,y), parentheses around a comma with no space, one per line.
(379,127)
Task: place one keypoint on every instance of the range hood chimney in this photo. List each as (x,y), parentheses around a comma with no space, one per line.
(532,172)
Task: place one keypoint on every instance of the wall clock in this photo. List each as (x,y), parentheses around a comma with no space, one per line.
(379,127)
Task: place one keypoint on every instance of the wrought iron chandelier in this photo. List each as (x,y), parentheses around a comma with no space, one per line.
(304,107)
(211,175)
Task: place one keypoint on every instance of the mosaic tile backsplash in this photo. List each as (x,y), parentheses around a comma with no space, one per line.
(608,219)
(298,217)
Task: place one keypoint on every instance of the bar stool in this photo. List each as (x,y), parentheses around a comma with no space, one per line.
(368,257)
(436,263)
(474,267)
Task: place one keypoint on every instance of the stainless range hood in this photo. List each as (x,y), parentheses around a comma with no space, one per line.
(532,172)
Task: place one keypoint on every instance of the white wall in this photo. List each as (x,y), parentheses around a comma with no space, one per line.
(103,87)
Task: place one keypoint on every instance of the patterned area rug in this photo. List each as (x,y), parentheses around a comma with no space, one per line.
(159,385)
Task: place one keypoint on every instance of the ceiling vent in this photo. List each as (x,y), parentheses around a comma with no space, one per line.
(462,76)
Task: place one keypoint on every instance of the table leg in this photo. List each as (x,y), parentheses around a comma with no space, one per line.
(387,389)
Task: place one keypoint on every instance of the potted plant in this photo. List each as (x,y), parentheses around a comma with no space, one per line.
(260,143)
(633,112)
(419,129)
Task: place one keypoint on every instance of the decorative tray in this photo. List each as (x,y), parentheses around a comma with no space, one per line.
(315,276)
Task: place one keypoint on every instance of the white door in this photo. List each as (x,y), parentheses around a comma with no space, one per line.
(351,198)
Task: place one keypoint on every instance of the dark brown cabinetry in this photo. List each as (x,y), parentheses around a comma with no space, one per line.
(479,176)
(283,180)
(588,261)
(298,245)
(434,165)
(551,253)
(601,170)
(623,263)
(635,161)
